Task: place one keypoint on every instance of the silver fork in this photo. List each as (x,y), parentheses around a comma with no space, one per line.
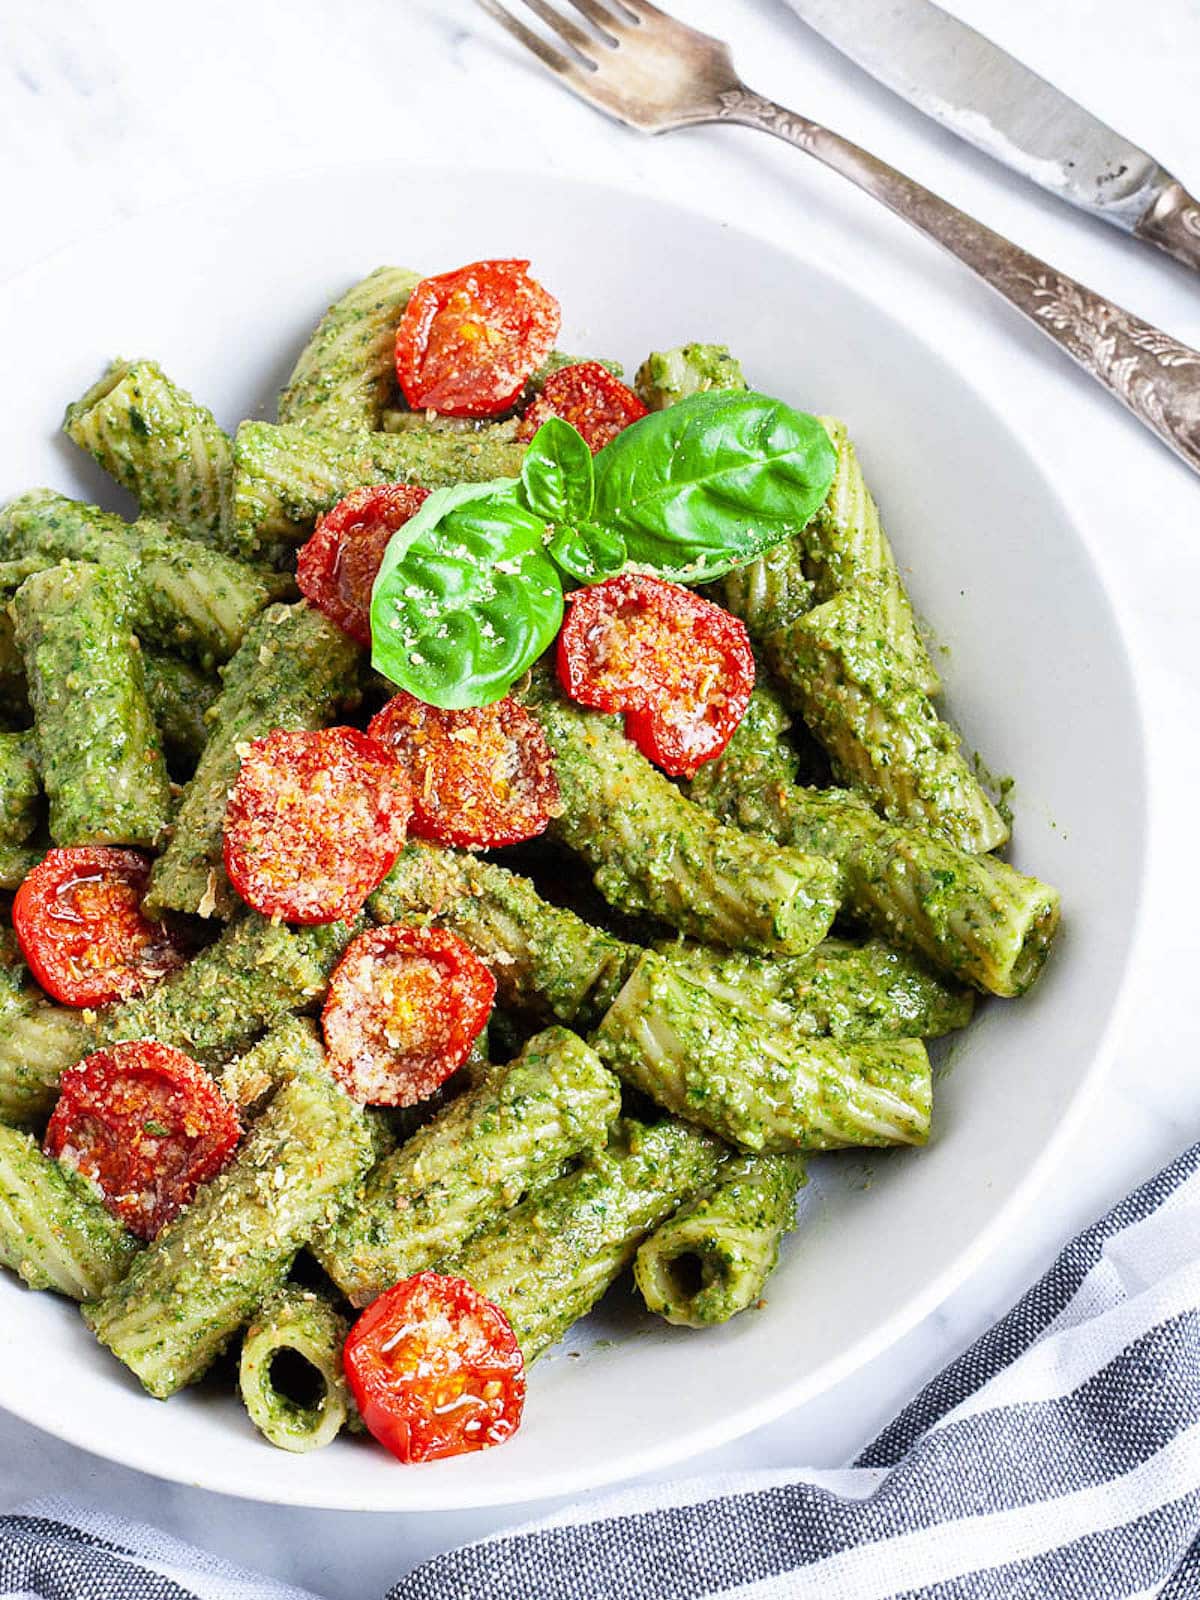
(655,73)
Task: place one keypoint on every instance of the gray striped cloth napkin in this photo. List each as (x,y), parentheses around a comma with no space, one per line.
(1058,1459)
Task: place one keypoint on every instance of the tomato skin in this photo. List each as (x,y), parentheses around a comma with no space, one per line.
(435,1369)
(469,339)
(587,396)
(480,778)
(78,922)
(678,666)
(405,1005)
(147,1126)
(337,568)
(315,823)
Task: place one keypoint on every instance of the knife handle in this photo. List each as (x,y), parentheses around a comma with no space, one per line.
(1149,372)
(1173,224)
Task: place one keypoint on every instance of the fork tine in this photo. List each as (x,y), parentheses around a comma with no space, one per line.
(602,19)
(546,54)
(582,42)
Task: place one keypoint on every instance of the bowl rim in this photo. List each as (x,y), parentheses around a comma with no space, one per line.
(556,1485)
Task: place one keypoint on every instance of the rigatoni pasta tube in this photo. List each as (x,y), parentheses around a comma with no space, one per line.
(97,744)
(476,1159)
(182,594)
(291,1048)
(290,1370)
(54,1232)
(346,373)
(713,1257)
(285,476)
(651,850)
(840,989)
(38,1042)
(760,1086)
(253,977)
(972,916)
(547,961)
(670,375)
(294,670)
(770,592)
(206,1273)
(548,1261)
(157,442)
(180,696)
(845,547)
(884,737)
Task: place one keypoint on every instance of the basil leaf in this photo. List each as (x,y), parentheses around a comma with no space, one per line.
(588,552)
(712,482)
(466,598)
(557,473)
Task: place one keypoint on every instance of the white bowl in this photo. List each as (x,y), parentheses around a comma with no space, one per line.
(222,292)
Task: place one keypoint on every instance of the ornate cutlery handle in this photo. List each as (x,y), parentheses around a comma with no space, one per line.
(1173,224)
(1155,376)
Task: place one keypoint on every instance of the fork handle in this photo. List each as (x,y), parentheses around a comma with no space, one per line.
(1155,376)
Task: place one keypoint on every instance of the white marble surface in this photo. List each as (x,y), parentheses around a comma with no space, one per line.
(107,111)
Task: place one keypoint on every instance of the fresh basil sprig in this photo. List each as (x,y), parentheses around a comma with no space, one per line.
(712,482)
(588,552)
(558,482)
(470,591)
(466,598)
(558,476)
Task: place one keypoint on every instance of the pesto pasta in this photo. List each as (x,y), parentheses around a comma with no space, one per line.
(158,443)
(181,594)
(97,744)
(346,373)
(548,1260)
(713,1257)
(972,916)
(472,1163)
(293,670)
(857,694)
(484,832)
(285,476)
(54,1233)
(651,851)
(290,1370)
(189,1292)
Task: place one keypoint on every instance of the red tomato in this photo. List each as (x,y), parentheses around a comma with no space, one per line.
(679,667)
(435,1369)
(588,397)
(147,1126)
(337,568)
(482,777)
(78,922)
(469,339)
(315,823)
(404,1007)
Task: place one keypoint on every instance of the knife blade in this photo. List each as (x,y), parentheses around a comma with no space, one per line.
(977,90)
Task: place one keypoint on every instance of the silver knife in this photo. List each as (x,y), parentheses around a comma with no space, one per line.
(984,95)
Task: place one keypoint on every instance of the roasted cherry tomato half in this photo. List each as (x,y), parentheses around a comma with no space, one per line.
(315,823)
(435,1369)
(679,667)
(469,339)
(147,1126)
(480,778)
(588,397)
(336,569)
(404,1007)
(78,921)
